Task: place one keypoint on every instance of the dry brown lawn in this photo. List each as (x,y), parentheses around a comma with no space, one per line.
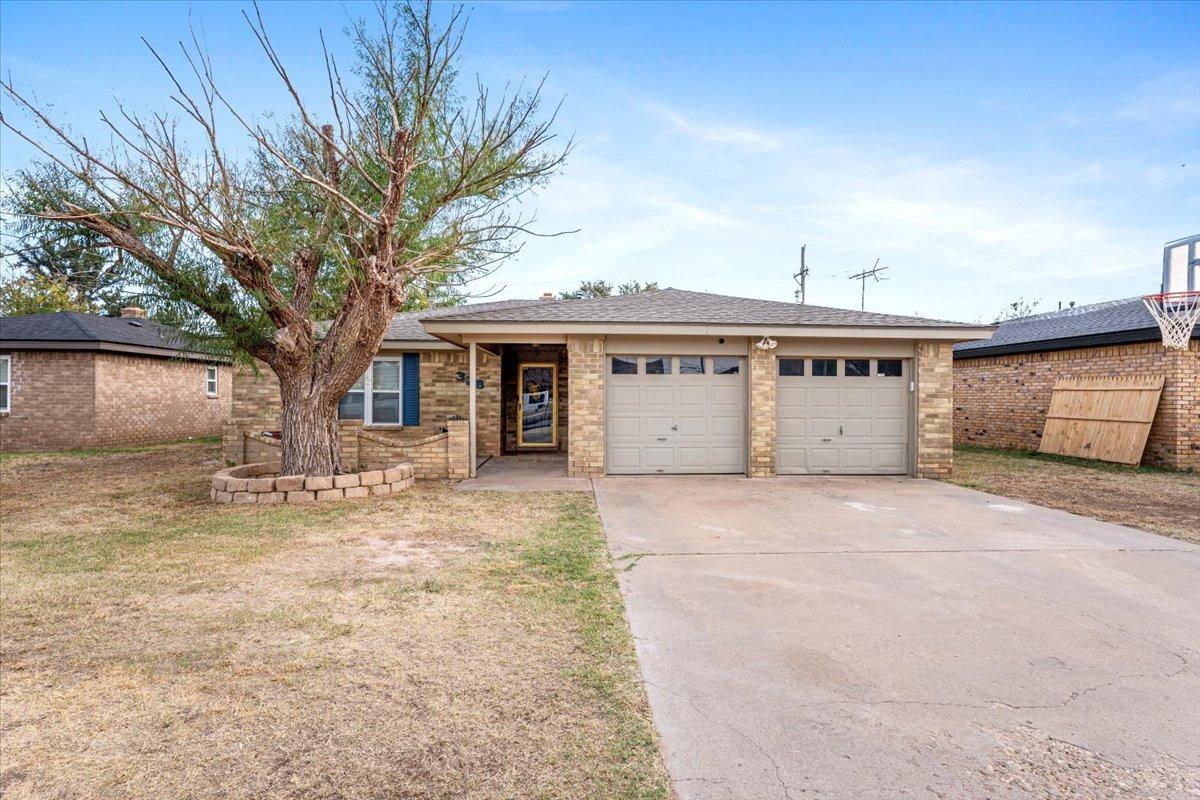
(1155,500)
(436,644)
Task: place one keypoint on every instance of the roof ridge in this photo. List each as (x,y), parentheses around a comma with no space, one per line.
(85,330)
(1072,309)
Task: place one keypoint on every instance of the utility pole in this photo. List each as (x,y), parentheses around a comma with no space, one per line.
(801,277)
(873,272)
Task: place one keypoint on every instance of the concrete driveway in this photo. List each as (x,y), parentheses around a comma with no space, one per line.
(898,638)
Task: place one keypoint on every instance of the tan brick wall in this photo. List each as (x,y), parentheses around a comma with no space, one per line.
(1001,401)
(935,410)
(52,401)
(585,406)
(64,400)
(256,403)
(140,400)
(458,450)
(763,415)
(513,357)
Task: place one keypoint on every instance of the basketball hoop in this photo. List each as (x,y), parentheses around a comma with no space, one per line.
(1176,314)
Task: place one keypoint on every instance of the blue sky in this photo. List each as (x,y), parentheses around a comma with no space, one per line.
(982,151)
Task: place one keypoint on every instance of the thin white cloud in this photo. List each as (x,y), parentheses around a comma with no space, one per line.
(710,134)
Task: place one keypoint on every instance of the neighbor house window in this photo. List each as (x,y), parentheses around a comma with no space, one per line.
(889,368)
(624,365)
(5,383)
(658,365)
(791,367)
(858,367)
(691,365)
(210,381)
(824,367)
(375,398)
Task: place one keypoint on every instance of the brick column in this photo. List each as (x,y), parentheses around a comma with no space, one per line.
(762,413)
(458,450)
(935,409)
(585,405)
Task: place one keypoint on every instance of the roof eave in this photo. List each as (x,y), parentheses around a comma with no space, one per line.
(455,330)
(1065,343)
(92,346)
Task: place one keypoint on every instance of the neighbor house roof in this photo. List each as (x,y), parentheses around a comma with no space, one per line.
(677,306)
(71,330)
(1112,322)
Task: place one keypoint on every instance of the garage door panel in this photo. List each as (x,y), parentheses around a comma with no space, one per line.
(857,396)
(846,424)
(726,459)
(624,458)
(658,457)
(857,428)
(891,397)
(728,427)
(624,428)
(692,457)
(691,396)
(726,396)
(823,397)
(624,396)
(823,427)
(658,397)
(653,426)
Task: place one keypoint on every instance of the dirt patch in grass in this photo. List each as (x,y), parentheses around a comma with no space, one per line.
(434,644)
(1156,500)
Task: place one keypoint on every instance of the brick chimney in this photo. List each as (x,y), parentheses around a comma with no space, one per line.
(133,311)
(547,295)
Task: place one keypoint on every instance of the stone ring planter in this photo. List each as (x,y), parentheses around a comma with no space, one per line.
(262,483)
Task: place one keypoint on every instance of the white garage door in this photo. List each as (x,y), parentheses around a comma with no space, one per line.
(843,415)
(675,414)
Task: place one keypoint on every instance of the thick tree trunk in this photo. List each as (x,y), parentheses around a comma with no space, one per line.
(310,432)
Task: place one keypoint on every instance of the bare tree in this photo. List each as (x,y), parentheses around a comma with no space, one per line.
(399,178)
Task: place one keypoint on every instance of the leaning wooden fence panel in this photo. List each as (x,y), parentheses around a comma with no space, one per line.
(1103,418)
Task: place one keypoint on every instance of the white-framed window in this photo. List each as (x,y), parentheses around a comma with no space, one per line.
(377,397)
(210,380)
(5,382)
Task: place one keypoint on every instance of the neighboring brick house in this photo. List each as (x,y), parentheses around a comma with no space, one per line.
(71,380)
(668,381)
(1002,386)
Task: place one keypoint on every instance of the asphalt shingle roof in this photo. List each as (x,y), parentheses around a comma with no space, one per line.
(1113,321)
(72,326)
(406,327)
(677,306)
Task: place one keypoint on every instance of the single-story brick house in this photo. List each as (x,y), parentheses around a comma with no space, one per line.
(1002,385)
(71,380)
(667,381)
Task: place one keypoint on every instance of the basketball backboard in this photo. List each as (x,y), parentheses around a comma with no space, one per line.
(1181,263)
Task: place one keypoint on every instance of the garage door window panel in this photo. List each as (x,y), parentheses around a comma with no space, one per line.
(658,365)
(824,367)
(791,367)
(691,365)
(726,365)
(858,367)
(889,368)
(624,365)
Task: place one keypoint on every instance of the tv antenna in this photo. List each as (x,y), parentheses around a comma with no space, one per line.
(801,277)
(873,272)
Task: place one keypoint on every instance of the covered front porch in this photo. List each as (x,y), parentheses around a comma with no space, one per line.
(539,412)
(525,472)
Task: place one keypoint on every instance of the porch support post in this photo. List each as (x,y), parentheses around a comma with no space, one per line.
(471,381)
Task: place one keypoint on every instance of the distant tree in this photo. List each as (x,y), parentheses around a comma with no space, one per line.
(602,288)
(401,183)
(38,294)
(59,252)
(1018,308)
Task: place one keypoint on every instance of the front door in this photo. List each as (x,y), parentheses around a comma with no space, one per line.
(537,409)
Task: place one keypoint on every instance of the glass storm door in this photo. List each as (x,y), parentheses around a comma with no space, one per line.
(538,409)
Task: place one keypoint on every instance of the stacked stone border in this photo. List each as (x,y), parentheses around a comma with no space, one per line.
(262,483)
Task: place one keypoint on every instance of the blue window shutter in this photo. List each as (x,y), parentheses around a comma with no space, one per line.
(412,389)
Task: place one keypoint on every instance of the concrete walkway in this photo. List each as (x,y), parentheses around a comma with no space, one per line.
(897,638)
(525,473)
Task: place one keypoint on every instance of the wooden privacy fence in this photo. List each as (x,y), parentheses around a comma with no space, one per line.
(1104,418)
